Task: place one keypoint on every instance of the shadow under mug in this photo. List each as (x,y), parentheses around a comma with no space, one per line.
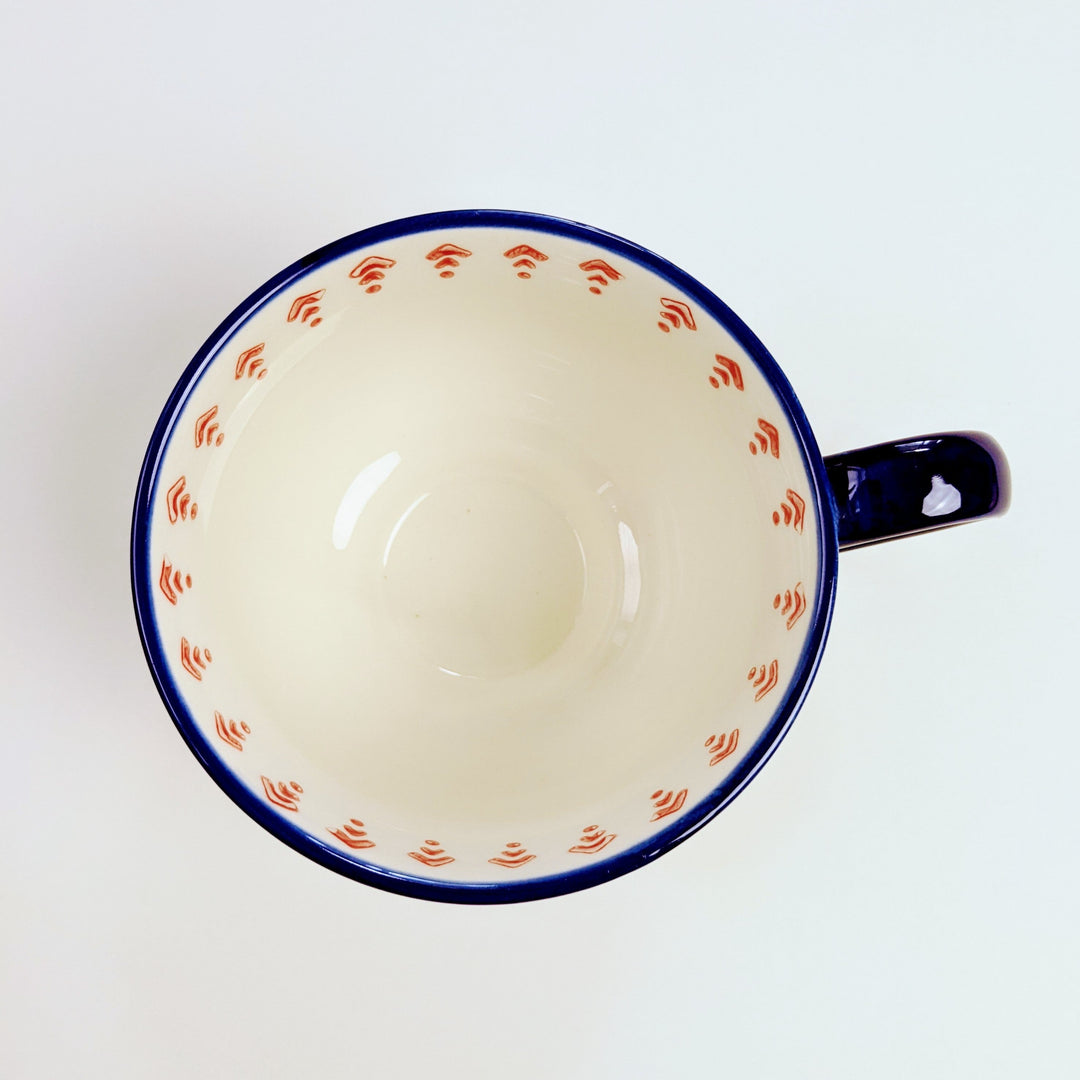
(484,556)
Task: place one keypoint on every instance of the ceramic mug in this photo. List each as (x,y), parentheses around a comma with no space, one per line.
(484,556)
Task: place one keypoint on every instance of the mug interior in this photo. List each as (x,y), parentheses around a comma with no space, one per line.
(482,551)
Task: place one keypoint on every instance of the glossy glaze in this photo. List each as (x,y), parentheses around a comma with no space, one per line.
(916,485)
(485,556)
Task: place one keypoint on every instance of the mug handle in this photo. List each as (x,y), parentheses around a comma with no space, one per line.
(916,485)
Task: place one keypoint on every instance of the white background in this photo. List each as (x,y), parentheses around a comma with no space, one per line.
(887,194)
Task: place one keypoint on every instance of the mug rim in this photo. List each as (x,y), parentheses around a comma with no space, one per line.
(486,892)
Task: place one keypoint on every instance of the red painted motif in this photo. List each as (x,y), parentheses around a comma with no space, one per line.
(206,431)
(721,746)
(171,583)
(431,854)
(178,502)
(287,796)
(513,856)
(764,678)
(767,439)
(352,834)
(593,840)
(249,364)
(674,314)
(306,308)
(792,510)
(727,372)
(527,258)
(230,731)
(794,604)
(371,271)
(667,802)
(194,660)
(600,273)
(447,258)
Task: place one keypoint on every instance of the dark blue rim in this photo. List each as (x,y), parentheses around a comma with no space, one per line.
(465,892)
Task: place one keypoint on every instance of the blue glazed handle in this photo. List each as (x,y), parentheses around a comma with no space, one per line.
(929,482)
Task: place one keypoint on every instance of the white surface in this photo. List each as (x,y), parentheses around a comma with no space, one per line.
(887,194)
(557,563)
